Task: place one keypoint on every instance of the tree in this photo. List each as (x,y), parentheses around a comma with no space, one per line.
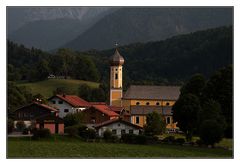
(194,86)
(155,124)
(211,132)
(211,110)
(98,94)
(185,113)
(85,92)
(73,119)
(220,88)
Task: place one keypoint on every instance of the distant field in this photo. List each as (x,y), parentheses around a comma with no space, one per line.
(47,87)
(23,147)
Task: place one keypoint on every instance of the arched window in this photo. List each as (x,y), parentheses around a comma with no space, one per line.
(167,103)
(147,103)
(157,103)
(137,103)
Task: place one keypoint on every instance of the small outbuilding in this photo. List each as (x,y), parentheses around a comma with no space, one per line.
(51,122)
(118,127)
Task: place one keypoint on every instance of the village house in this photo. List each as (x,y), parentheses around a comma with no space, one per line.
(68,104)
(139,100)
(100,112)
(118,127)
(40,116)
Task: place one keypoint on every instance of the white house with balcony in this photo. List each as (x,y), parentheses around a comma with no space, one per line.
(68,104)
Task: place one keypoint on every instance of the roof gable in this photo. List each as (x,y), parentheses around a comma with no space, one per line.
(115,121)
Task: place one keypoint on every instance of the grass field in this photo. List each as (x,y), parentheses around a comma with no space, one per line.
(66,147)
(47,87)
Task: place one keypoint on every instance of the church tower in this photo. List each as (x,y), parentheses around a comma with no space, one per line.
(116,62)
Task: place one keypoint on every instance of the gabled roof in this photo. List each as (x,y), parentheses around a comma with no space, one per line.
(105,109)
(47,107)
(152,92)
(73,100)
(116,120)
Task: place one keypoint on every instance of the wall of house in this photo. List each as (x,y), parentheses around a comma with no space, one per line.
(118,126)
(63,106)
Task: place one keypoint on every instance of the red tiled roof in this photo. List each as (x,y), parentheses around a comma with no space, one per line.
(74,100)
(117,120)
(105,109)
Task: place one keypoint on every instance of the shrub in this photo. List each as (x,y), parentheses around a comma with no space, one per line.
(10,125)
(72,119)
(25,131)
(20,125)
(128,138)
(211,132)
(199,142)
(41,133)
(72,130)
(140,139)
(179,140)
(90,133)
(107,135)
(169,139)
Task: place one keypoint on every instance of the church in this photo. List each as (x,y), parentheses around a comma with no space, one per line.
(139,100)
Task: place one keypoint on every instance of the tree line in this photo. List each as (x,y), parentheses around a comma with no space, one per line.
(205,106)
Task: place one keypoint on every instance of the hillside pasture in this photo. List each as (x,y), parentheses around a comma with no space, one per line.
(47,87)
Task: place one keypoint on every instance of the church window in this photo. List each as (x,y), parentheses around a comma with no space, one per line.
(137,119)
(116,69)
(137,103)
(147,103)
(157,103)
(167,103)
(116,76)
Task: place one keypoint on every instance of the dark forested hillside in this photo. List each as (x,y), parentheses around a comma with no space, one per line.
(130,25)
(170,61)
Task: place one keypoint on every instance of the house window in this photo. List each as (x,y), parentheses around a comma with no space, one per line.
(116,76)
(130,131)
(93,119)
(123,131)
(168,121)
(137,103)
(66,110)
(147,103)
(114,131)
(167,103)
(157,103)
(53,101)
(60,102)
(140,132)
(119,124)
(25,115)
(137,119)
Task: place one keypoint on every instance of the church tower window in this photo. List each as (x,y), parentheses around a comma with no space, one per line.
(116,76)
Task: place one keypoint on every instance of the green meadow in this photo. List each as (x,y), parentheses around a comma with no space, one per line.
(47,87)
(65,147)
